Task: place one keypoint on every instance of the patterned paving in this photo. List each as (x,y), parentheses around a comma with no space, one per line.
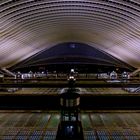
(43,125)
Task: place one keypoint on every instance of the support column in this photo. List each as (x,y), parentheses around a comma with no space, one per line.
(7,72)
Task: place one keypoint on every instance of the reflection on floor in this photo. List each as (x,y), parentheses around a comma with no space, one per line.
(38,125)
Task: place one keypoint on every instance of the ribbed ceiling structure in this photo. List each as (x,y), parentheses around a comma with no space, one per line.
(30,26)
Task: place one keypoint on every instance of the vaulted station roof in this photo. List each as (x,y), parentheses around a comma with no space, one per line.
(30,26)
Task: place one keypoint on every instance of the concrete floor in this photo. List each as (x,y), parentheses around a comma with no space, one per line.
(43,91)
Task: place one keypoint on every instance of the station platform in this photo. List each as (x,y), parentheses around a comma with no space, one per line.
(29,112)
